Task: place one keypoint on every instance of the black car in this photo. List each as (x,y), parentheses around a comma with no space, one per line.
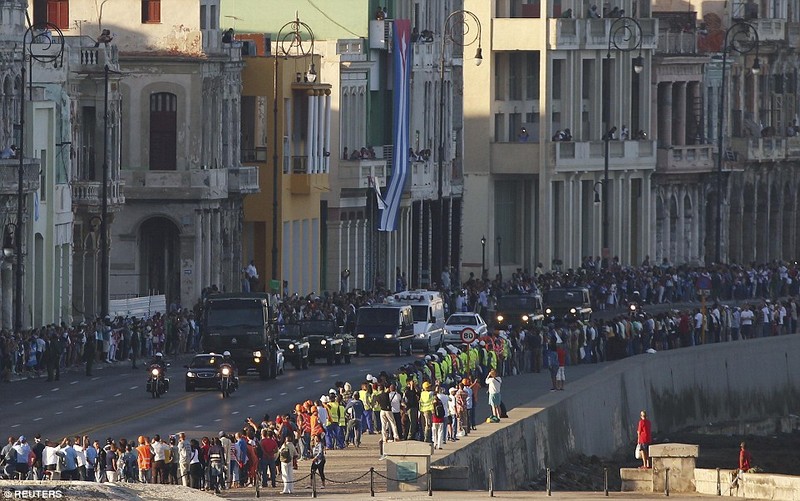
(568,304)
(518,310)
(294,344)
(327,341)
(203,372)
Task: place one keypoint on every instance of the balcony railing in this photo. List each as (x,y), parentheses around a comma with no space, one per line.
(677,43)
(355,174)
(590,155)
(243,179)
(598,31)
(686,159)
(9,176)
(88,193)
(762,149)
(195,184)
(770,30)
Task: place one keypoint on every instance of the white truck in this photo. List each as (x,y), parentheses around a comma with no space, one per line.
(428,310)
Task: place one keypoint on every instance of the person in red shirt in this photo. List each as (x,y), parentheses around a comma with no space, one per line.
(744,458)
(643,438)
(561,375)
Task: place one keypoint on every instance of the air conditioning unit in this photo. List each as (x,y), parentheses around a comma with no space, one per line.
(381,34)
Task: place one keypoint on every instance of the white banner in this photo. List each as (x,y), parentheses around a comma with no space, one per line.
(141,307)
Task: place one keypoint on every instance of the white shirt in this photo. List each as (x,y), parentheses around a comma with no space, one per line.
(747,317)
(444,399)
(158,451)
(766,314)
(698,320)
(49,457)
(395,400)
(494,384)
(81,455)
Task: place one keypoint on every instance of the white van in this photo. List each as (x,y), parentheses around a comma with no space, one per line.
(428,309)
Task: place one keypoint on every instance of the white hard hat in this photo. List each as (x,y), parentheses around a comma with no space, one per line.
(332,391)
(159,355)
(324,399)
(369,377)
(226,353)
(374,380)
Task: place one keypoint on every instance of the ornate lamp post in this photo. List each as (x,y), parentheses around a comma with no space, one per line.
(743,39)
(456,30)
(625,35)
(42,42)
(483,258)
(290,39)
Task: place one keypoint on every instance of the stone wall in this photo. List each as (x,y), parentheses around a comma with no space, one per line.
(597,415)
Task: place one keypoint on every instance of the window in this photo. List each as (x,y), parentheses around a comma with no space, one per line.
(514,77)
(151,11)
(52,11)
(163,131)
(213,21)
(532,75)
(203,24)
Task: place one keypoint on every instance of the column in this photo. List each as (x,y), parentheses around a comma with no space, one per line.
(198,253)
(217,247)
(681,231)
(310,137)
(320,133)
(347,225)
(679,112)
(648,221)
(327,132)
(665,114)
(207,248)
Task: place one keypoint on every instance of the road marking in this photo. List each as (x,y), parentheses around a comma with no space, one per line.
(198,426)
(334,375)
(217,420)
(55,389)
(283,394)
(15,426)
(98,401)
(18,403)
(59,412)
(300,387)
(133,387)
(74,382)
(118,394)
(78,406)
(234,413)
(267,399)
(37,419)
(38,396)
(252,405)
(134,416)
(317,380)
(95,378)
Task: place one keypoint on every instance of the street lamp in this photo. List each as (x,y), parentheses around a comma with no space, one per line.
(483,258)
(741,31)
(625,35)
(499,259)
(290,36)
(49,49)
(456,29)
(9,242)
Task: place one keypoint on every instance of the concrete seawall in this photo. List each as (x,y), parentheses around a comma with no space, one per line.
(597,415)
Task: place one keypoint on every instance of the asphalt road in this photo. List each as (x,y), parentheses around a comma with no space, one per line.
(113,403)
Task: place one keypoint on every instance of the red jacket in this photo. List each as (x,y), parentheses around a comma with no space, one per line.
(643,433)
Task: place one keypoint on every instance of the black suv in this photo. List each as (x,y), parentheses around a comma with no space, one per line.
(518,310)
(294,344)
(327,341)
(568,304)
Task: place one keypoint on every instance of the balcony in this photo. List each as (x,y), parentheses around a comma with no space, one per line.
(243,179)
(793,148)
(762,149)
(673,44)
(690,159)
(565,33)
(770,30)
(88,194)
(9,176)
(422,180)
(233,50)
(515,158)
(590,155)
(355,174)
(423,56)
(598,31)
(195,184)
(94,59)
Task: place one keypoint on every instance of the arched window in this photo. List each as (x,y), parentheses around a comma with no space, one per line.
(163,130)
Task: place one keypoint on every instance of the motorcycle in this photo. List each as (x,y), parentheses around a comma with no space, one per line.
(157,383)
(228,382)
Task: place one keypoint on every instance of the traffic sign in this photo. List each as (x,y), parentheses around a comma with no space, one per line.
(468,335)
(703,283)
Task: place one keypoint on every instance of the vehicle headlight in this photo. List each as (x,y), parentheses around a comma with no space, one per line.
(154,372)
(226,371)
(524,318)
(361,336)
(257,354)
(388,336)
(291,346)
(323,342)
(633,307)
(190,374)
(573,311)
(548,311)
(499,318)
(256,360)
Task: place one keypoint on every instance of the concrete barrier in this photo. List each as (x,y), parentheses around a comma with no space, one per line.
(749,485)
(597,415)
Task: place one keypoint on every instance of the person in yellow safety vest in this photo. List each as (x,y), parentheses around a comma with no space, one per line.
(336,420)
(463,359)
(437,369)
(376,407)
(365,395)
(402,379)
(473,359)
(444,361)
(492,358)
(426,409)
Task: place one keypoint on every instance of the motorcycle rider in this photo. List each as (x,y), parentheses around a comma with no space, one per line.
(227,359)
(158,360)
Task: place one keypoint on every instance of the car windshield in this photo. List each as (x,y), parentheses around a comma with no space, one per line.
(527,303)
(563,296)
(290,331)
(316,327)
(420,312)
(235,314)
(205,362)
(378,317)
(462,320)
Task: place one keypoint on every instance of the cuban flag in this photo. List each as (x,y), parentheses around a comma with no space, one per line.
(400,115)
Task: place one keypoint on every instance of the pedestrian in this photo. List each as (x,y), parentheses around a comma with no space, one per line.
(494,382)
(111,462)
(745,458)
(286,454)
(144,457)
(318,458)
(216,456)
(269,448)
(354,412)
(643,439)
(195,466)
(561,374)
